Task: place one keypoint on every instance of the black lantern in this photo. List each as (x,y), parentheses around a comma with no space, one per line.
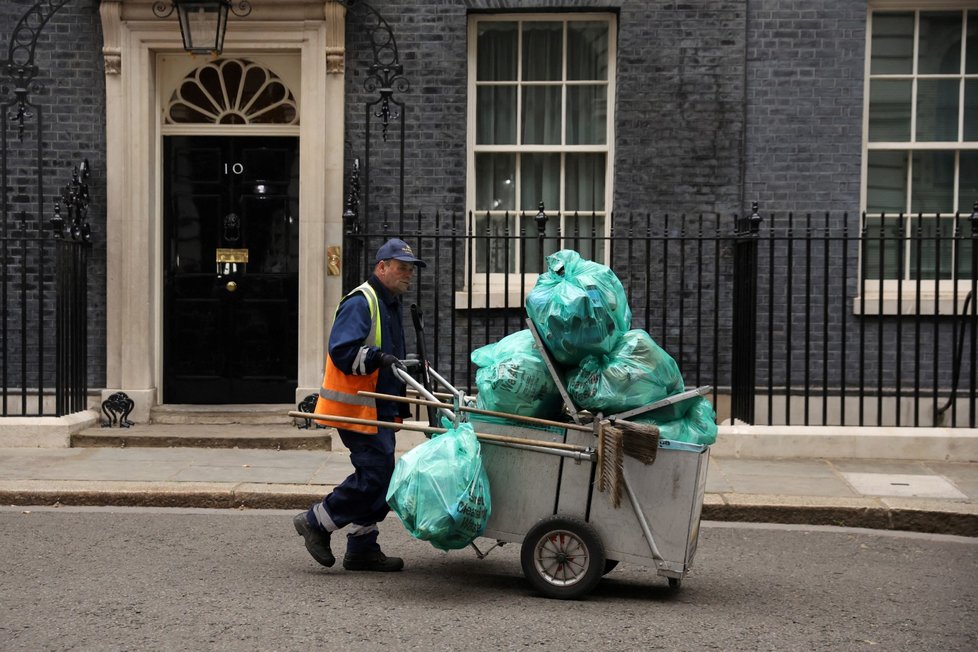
(202,22)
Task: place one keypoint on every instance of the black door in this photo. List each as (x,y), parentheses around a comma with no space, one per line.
(231,260)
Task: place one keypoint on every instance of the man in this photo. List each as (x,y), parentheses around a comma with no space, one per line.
(366,340)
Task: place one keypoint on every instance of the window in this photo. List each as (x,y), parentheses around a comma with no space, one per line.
(541,104)
(921,144)
(231,92)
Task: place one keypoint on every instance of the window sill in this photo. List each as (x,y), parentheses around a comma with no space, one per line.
(497,299)
(497,295)
(891,302)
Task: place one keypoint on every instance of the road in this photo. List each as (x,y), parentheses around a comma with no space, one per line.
(158,579)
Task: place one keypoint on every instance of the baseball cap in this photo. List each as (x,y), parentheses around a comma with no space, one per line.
(398,250)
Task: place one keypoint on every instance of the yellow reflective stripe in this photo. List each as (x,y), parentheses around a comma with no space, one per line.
(375,334)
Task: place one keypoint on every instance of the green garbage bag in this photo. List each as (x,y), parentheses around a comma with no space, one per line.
(579,307)
(635,373)
(698,425)
(513,378)
(440,490)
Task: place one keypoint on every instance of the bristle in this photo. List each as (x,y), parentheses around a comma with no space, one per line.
(602,481)
(611,462)
(641,441)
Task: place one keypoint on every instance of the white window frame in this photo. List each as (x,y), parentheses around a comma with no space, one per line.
(477,293)
(892,296)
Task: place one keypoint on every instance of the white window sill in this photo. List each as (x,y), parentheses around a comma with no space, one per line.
(890,302)
(498,294)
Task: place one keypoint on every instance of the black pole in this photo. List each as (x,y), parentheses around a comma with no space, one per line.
(745,317)
(541,219)
(973,402)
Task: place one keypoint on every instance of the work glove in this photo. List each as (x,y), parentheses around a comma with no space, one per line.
(388,360)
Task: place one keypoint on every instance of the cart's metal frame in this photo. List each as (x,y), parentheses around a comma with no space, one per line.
(531,484)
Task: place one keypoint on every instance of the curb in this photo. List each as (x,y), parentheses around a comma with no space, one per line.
(877,513)
(874,518)
(871,513)
(138,440)
(161,494)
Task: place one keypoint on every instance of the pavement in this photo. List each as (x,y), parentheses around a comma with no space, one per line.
(203,466)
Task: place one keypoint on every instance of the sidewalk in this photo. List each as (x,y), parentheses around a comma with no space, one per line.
(925,496)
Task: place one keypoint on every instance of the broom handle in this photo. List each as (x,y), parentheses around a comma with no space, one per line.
(491,413)
(430,430)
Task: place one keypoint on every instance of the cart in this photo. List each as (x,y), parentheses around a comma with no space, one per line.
(543,484)
(546,499)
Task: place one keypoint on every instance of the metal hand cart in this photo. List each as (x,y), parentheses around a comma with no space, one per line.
(543,485)
(546,499)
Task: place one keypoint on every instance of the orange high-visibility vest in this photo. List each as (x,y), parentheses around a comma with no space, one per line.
(338,394)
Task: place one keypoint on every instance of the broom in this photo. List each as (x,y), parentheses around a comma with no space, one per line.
(615,440)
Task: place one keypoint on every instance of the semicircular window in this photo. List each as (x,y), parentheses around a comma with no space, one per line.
(232,92)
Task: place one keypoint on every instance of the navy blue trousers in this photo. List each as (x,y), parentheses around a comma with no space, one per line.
(361,499)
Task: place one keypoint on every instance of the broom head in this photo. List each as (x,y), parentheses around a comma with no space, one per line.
(640,440)
(610,462)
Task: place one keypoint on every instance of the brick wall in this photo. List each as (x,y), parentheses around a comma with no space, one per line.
(804,104)
(71,106)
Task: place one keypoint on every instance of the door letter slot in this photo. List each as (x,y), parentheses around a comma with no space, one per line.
(227,261)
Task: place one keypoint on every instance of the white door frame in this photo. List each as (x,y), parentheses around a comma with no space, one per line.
(133,37)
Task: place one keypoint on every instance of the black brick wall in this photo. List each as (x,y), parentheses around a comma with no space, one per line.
(71,107)
(805,104)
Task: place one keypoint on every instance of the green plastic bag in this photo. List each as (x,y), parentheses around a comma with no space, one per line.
(579,307)
(635,373)
(697,426)
(513,378)
(440,490)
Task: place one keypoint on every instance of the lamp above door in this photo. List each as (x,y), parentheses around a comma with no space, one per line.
(202,22)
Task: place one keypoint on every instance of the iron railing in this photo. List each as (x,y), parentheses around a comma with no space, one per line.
(773,311)
(43,309)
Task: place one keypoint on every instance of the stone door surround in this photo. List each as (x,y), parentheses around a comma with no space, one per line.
(134,39)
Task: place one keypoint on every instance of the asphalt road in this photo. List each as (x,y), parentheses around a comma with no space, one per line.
(158,579)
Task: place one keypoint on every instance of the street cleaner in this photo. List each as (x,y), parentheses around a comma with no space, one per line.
(366,341)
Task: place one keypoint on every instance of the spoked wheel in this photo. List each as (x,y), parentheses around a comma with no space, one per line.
(563,557)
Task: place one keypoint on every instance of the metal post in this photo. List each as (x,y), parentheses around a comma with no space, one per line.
(744,336)
(541,219)
(973,402)
(352,228)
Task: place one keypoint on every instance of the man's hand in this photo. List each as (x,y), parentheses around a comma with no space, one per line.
(388,360)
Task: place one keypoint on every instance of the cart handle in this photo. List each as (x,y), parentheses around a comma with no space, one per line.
(503,439)
(491,413)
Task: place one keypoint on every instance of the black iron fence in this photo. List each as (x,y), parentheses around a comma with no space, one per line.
(829,319)
(43,308)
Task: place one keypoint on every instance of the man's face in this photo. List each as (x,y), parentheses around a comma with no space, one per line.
(395,275)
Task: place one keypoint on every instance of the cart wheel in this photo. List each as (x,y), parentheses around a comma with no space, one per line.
(675,583)
(609,565)
(562,557)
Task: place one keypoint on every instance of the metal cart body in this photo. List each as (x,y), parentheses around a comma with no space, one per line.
(528,486)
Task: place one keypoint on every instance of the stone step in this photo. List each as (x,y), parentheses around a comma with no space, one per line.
(252,414)
(280,436)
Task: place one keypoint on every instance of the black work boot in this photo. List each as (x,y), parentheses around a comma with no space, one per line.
(317,540)
(372,561)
